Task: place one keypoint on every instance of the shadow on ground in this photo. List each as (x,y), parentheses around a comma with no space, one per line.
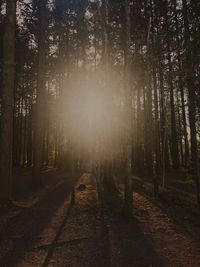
(25,228)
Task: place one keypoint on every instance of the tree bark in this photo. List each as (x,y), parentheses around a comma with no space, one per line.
(41,87)
(174,139)
(181,87)
(128,201)
(6,138)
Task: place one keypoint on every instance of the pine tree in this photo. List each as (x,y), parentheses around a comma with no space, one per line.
(6,138)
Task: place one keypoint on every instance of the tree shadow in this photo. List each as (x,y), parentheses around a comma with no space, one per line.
(27,226)
(132,247)
(53,245)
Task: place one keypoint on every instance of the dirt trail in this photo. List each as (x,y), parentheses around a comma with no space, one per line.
(176,246)
(172,222)
(53,232)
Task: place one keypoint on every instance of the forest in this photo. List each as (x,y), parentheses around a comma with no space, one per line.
(100,133)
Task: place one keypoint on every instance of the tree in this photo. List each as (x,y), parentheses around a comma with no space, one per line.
(6,138)
(128,201)
(41,88)
(174,139)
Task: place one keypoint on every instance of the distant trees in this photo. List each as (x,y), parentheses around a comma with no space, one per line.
(192,91)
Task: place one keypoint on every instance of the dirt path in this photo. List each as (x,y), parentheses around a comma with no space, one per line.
(53,232)
(174,245)
(172,222)
(23,230)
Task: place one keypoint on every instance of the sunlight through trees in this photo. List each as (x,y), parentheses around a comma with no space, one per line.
(110,86)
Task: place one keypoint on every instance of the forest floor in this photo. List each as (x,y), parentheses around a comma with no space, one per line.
(51,231)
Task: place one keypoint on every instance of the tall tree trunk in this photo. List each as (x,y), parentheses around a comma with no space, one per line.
(139,160)
(41,84)
(6,138)
(157,147)
(163,119)
(180,70)
(156,133)
(174,139)
(30,135)
(128,201)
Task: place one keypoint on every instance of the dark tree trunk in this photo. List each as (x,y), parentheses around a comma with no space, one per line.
(41,87)
(181,87)
(174,139)
(6,139)
(128,202)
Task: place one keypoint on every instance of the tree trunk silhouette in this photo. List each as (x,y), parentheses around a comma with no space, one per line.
(128,201)
(6,138)
(41,88)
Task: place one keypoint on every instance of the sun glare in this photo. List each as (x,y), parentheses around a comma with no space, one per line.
(91,113)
